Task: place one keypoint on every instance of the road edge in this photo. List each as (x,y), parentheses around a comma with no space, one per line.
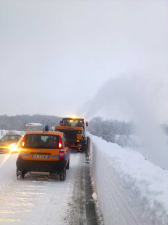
(91,216)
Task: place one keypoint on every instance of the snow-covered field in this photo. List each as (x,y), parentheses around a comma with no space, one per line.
(131,190)
(42,200)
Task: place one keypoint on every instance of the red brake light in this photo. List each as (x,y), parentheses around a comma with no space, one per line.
(60,142)
(60,145)
(23,142)
(61,151)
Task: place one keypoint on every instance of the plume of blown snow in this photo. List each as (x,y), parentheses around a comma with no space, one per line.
(139,99)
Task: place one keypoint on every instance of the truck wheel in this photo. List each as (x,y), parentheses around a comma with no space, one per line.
(87,144)
(83,147)
(63,175)
(67,167)
(82,150)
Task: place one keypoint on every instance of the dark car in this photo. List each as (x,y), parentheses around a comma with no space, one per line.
(8,143)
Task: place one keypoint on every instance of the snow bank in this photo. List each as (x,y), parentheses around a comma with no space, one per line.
(131,190)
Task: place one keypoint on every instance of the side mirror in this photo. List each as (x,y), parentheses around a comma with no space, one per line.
(87,124)
(61,123)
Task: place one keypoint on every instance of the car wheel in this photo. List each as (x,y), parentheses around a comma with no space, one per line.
(20,174)
(63,175)
(67,167)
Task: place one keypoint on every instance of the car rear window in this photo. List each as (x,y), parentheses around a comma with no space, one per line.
(41,141)
(11,138)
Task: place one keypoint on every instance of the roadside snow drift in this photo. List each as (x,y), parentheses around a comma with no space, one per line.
(131,190)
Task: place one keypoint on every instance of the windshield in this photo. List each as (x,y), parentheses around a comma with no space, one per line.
(41,141)
(73,123)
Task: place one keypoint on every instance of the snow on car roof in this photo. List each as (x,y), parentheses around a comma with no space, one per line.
(33,124)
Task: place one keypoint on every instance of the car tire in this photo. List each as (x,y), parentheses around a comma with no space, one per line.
(67,167)
(20,174)
(63,175)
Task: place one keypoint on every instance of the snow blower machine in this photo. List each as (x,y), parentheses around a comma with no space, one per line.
(75,132)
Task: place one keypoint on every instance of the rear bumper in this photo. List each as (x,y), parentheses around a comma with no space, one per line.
(4,150)
(41,166)
(80,144)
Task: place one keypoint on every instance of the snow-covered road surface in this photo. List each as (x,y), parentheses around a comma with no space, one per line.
(43,200)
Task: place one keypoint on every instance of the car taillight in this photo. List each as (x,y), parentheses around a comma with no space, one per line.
(20,155)
(23,142)
(60,143)
(61,151)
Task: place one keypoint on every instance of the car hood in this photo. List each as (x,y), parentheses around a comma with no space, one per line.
(7,143)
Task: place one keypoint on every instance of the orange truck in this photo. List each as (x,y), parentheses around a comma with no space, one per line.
(75,132)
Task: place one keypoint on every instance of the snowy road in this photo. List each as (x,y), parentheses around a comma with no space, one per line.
(42,200)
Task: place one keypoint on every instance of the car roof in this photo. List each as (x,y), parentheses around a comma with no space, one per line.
(46,133)
(70,118)
(12,135)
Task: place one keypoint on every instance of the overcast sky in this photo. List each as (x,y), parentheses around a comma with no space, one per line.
(55,55)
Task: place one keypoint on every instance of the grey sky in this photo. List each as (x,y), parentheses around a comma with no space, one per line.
(55,55)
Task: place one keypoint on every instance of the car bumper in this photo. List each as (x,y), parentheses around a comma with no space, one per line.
(4,150)
(40,166)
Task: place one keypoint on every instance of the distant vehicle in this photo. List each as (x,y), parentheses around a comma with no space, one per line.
(43,151)
(9,142)
(33,125)
(75,132)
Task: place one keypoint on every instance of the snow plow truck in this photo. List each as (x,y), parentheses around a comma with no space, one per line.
(75,132)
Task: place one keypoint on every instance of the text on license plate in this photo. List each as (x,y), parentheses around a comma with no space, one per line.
(41,156)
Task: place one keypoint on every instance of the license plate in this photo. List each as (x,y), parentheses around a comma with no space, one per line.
(41,156)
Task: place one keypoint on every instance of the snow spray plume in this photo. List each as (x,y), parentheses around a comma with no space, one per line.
(133,97)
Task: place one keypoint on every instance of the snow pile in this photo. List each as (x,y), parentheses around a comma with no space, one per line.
(130,189)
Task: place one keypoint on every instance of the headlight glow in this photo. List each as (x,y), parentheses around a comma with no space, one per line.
(12,145)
